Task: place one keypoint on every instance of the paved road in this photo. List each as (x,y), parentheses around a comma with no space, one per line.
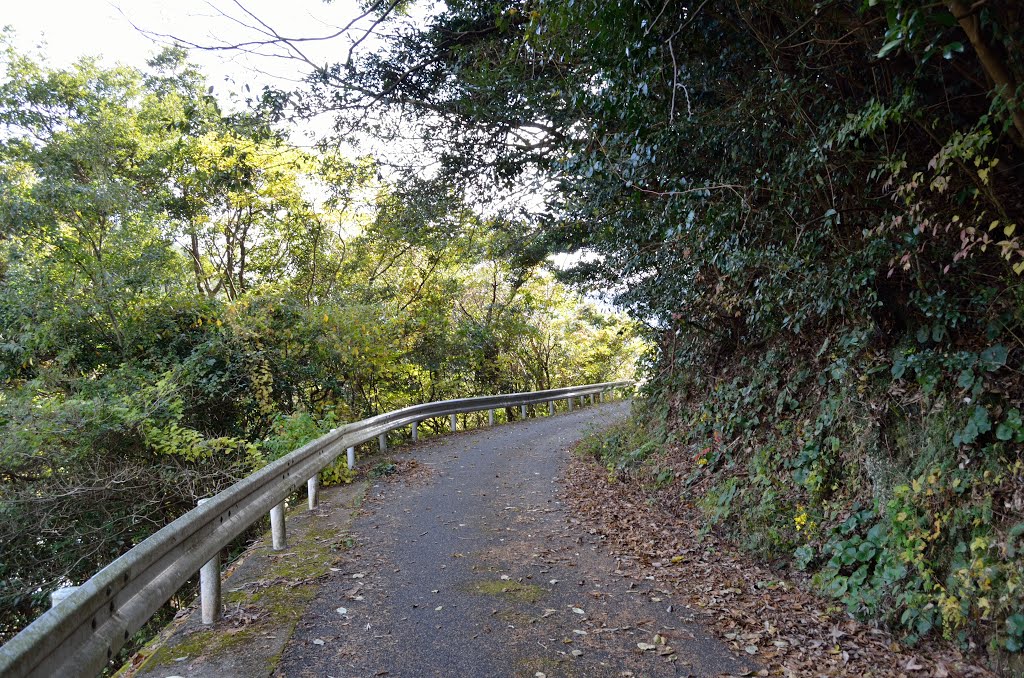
(472,567)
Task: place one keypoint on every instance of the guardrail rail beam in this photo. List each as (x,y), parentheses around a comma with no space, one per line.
(88,624)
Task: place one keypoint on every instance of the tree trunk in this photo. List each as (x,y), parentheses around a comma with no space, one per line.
(990,61)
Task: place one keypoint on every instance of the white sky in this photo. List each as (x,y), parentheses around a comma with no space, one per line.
(73,28)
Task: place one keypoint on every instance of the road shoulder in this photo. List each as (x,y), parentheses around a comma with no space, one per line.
(265,594)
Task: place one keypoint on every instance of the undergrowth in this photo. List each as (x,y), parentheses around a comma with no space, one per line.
(906,509)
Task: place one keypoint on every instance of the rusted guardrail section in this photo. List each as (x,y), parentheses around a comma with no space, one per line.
(84,629)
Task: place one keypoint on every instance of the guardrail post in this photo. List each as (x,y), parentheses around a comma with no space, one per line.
(60,594)
(278,534)
(600,396)
(522,412)
(69,646)
(209,586)
(591,398)
(568,401)
(415,431)
(382,440)
(490,417)
(313,491)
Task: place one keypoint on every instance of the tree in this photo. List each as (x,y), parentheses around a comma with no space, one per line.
(185,295)
(815,205)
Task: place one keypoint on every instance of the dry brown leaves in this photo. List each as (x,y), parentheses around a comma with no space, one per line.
(787,629)
(408,470)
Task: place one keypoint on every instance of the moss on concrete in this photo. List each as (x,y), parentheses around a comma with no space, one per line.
(273,598)
(522,593)
(204,642)
(516,618)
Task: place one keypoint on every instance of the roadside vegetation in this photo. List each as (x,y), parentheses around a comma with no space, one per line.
(185,296)
(816,207)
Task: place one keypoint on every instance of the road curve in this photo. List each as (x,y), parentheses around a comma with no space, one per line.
(469,565)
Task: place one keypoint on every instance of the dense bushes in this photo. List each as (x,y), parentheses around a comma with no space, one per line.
(816,205)
(176,310)
(905,514)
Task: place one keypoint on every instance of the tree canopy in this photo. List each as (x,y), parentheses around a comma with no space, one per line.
(186,295)
(812,208)
(816,205)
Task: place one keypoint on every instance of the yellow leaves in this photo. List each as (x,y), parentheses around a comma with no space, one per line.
(952,615)
(337,473)
(1009,229)
(800,519)
(326,318)
(983,175)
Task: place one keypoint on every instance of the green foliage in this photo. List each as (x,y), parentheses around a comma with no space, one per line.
(295,430)
(383,469)
(816,206)
(623,447)
(184,296)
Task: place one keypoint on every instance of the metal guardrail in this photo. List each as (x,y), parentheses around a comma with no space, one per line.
(83,631)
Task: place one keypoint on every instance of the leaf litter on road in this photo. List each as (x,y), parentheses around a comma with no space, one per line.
(757,612)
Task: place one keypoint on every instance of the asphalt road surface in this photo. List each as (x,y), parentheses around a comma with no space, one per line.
(466,563)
